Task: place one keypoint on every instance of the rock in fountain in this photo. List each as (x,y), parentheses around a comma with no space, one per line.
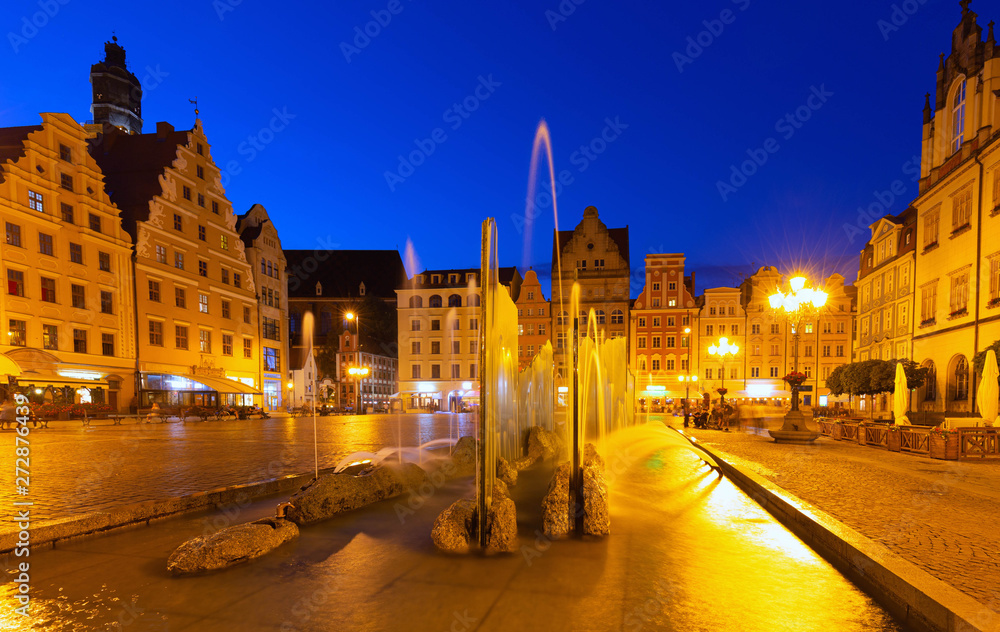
(231,546)
(457,526)
(334,494)
(464,456)
(506,472)
(544,444)
(556,521)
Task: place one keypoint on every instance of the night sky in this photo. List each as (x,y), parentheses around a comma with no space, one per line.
(675,115)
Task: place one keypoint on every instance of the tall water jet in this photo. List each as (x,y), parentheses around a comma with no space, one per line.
(307,332)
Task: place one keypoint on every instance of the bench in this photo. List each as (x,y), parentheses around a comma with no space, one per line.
(147,415)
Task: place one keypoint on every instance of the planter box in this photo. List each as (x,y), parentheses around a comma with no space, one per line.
(837,431)
(862,439)
(892,441)
(943,446)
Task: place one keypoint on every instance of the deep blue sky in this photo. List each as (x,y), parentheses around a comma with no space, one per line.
(323,177)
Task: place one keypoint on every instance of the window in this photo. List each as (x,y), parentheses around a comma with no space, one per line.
(736,330)
(204,341)
(200,149)
(709,330)
(179,260)
(775,350)
(656,302)
(180,297)
(246,314)
(107,344)
(656,342)
(201,233)
(962,379)
(642,322)
(203,303)
(928,302)
(435,325)
(225,276)
(708,374)
(435,348)
(958,118)
(755,371)
(826,351)
(671,321)
(959,292)
(656,287)
(104,261)
(271,329)
(180,336)
(35,202)
(840,351)
(670,342)
(809,371)
(807,328)
(435,371)
(711,311)
(76,253)
(599,314)
(227,349)
(272,359)
(473,346)
(809,351)
(15,282)
(45,244)
(156,333)
(65,154)
(434,301)
(237,281)
(50,337)
(201,198)
(415,347)
(931,225)
(641,342)
(178,222)
(13,235)
(531,296)
(161,254)
(16,332)
(456,371)
(78,296)
(200,172)
(656,321)
(775,329)
(774,371)
(48,290)
(655,366)
(961,209)
(642,364)
(79,341)
(827,327)
(154,291)
(414,325)
(474,323)
(415,372)
(994,278)
(456,347)
(94,221)
(203,268)
(215,207)
(67,212)
(186,192)
(224,242)
(247,348)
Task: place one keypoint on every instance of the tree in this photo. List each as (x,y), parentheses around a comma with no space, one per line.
(979,360)
(916,375)
(836,380)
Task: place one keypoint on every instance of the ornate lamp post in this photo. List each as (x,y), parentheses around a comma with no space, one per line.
(795,306)
(687,379)
(723,349)
(357,329)
(359,372)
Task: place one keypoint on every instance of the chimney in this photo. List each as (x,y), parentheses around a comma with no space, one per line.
(163,129)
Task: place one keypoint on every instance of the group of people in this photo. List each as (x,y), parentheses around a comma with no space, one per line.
(717,416)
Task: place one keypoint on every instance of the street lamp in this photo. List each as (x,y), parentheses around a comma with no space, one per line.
(723,349)
(357,329)
(360,372)
(687,379)
(801,302)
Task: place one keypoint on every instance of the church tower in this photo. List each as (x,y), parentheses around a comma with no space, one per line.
(117,92)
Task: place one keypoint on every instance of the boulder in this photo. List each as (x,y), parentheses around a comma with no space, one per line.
(544,444)
(591,457)
(464,456)
(524,462)
(231,546)
(555,504)
(502,526)
(505,472)
(596,519)
(455,527)
(334,494)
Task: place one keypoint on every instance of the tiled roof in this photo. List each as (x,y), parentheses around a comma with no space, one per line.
(341,272)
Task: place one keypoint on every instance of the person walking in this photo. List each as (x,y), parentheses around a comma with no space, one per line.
(7,415)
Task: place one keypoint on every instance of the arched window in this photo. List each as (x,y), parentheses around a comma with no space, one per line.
(416,301)
(600,316)
(930,384)
(617,317)
(958,117)
(642,364)
(434,301)
(962,379)
(454,300)
(474,300)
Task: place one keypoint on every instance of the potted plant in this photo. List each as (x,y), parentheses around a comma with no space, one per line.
(943,444)
(893,439)
(838,430)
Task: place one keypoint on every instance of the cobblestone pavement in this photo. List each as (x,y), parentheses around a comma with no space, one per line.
(75,470)
(943,516)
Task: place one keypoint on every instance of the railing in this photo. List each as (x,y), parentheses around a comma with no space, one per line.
(876,435)
(914,439)
(978,442)
(825,426)
(849,431)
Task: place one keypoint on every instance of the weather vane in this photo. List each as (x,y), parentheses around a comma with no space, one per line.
(195,102)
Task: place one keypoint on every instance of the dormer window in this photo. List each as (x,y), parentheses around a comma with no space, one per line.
(435,278)
(319,289)
(452,278)
(361,289)
(958,118)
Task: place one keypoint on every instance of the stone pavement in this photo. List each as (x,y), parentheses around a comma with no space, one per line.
(943,516)
(76,470)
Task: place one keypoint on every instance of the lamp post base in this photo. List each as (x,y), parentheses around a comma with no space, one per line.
(794,430)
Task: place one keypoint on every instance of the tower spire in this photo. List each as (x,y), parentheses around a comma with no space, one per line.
(965,6)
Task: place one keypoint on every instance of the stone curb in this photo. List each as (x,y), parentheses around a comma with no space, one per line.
(912,595)
(52,531)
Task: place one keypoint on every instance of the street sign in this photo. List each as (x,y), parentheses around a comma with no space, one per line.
(805,388)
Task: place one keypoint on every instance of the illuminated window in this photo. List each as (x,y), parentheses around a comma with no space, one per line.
(36,202)
(958,118)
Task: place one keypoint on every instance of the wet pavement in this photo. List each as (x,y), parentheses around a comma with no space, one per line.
(939,515)
(688,551)
(76,470)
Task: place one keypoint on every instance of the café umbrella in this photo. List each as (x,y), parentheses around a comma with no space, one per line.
(900,397)
(986,398)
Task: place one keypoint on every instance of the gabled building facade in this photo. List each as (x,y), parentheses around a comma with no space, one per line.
(534,319)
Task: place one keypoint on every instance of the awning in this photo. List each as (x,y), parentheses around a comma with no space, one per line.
(51,379)
(223,385)
(8,366)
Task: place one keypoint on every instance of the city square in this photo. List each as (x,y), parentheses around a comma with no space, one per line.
(273,361)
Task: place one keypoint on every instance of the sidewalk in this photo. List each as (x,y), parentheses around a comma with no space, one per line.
(939,515)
